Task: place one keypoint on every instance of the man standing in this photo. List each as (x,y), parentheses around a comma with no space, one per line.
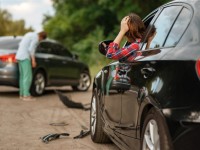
(26,60)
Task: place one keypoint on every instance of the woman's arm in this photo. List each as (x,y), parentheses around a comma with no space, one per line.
(123,29)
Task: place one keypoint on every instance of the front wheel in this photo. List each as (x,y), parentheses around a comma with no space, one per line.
(96,123)
(84,82)
(38,84)
(155,135)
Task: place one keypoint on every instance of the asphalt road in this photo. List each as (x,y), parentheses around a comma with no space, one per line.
(23,123)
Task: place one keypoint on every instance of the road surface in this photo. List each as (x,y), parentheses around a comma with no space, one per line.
(23,123)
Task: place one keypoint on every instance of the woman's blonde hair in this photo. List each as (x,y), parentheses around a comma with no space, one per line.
(136,27)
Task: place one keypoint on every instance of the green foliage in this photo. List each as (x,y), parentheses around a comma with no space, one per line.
(10,27)
(81,24)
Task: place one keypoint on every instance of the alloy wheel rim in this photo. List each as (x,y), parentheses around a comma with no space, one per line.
(151,140)
(39,83)
(93,117)
(84,82)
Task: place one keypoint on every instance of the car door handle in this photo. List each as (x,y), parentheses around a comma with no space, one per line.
(147,72)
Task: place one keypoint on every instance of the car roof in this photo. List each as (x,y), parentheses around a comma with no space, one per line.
(20,37)
(10,37)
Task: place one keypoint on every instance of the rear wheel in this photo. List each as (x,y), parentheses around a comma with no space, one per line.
(84,82)
(155,134)
(38,84)
(96,123)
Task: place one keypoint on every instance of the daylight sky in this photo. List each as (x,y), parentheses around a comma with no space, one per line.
(30,10)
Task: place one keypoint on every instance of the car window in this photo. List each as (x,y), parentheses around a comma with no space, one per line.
(179,27)
(67,53)
(11,44)
(44,47)
(163,25)
(148,26)
(56,48)
(60,50)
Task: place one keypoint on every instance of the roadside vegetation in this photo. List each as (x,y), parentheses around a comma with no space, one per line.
(11,27)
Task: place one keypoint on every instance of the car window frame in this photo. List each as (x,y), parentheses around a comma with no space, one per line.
(192,13)
(183,5)
(152,23)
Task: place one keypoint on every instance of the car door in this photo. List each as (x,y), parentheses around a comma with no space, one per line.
(58,63)
(46,59)
(111,93)
(69,68)
(142,74)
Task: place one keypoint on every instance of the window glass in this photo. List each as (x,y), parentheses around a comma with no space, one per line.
(44,47)
(56,49)
(179,27)
(66,53)
(163,24)
(11,44)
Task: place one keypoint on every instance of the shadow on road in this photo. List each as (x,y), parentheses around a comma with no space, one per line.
(7,91)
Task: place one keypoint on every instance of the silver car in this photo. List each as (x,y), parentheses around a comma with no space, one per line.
(56,66)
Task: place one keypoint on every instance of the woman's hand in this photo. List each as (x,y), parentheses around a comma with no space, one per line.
(124,24)
(149,40)
(124,28)
(151,37)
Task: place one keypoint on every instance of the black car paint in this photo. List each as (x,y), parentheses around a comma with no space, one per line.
(166,81)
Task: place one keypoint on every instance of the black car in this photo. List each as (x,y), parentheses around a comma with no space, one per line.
(153,103)
(56,66)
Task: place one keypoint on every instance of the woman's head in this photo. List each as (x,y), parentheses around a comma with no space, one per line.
(136,27)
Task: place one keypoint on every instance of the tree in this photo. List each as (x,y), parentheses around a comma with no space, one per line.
(10,27)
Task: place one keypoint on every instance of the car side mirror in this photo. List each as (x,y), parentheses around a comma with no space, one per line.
(103,45)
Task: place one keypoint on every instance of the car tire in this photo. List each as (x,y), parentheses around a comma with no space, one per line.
(155,132)
(84,82)
(96,123)
(38,84)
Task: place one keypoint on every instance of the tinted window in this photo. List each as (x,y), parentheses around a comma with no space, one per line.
(9,44)
(66,53)
(58,49)
(163,25)
(44,47)
(179,27)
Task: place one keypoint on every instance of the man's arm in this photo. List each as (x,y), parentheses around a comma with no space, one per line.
(33,62)
(32,49)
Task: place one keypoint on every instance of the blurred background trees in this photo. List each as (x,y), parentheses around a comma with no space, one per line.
(10,27)
(82,24)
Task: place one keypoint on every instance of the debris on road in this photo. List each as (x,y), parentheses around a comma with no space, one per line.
(51,137)
(59,124)
(70,103)
(82,134)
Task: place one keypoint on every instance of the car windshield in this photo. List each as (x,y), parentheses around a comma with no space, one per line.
(11,44)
